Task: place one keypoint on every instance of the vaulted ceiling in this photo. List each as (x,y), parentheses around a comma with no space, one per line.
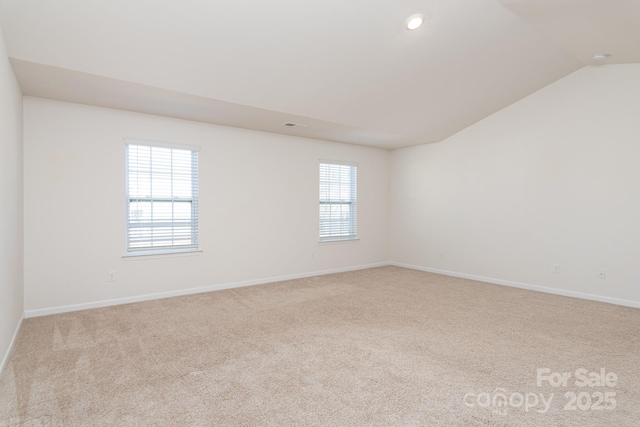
(348,70)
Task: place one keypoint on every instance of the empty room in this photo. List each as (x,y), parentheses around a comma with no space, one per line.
(331,213)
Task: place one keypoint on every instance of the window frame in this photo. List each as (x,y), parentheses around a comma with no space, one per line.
(150,251)
(352,202)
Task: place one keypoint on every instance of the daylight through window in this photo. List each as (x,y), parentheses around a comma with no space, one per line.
(162,199)
(338,201)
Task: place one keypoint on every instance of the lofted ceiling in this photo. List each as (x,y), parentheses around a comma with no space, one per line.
(349,70)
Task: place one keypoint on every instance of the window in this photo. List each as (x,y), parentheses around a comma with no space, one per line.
(338,201)
(162,198)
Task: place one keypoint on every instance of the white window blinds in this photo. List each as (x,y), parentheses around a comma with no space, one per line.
(338,201)
(162,198)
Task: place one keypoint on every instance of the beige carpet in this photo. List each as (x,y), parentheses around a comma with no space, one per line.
(385,346)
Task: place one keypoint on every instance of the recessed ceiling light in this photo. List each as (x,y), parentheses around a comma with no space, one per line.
(601,56)
(415,21)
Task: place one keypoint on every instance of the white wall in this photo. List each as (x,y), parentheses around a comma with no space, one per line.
(554,178)
(11,290)
(550,179)
(258,205)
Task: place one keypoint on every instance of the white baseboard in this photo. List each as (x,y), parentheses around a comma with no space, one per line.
(555,291)
(148,297)
(5,358)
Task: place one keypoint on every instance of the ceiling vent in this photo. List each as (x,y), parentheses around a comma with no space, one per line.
(294,125)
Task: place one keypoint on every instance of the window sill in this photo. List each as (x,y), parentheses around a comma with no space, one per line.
(338,240)
(157,255)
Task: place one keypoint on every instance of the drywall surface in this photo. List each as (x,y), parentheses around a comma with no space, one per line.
(552,179)
(11,290)
(258,206)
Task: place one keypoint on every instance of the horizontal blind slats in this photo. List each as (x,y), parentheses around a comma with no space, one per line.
(338,201)
(162,198)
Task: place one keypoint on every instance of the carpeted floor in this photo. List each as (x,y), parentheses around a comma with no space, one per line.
(384,346)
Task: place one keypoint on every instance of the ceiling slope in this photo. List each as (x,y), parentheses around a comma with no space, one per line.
(349,70)
(583,28)
(60,84)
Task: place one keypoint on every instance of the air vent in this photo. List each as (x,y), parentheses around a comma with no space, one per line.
(294,125)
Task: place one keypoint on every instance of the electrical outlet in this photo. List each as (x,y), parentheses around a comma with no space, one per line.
(313,255)
(441,254)
(111,276)
(602,273)
(556,268)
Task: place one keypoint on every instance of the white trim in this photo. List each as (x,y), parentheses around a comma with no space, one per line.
(162,144)
(337,162)
(11,343)
(148,297)
(168,294)
(554,291)
(330,240)
(132,256)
